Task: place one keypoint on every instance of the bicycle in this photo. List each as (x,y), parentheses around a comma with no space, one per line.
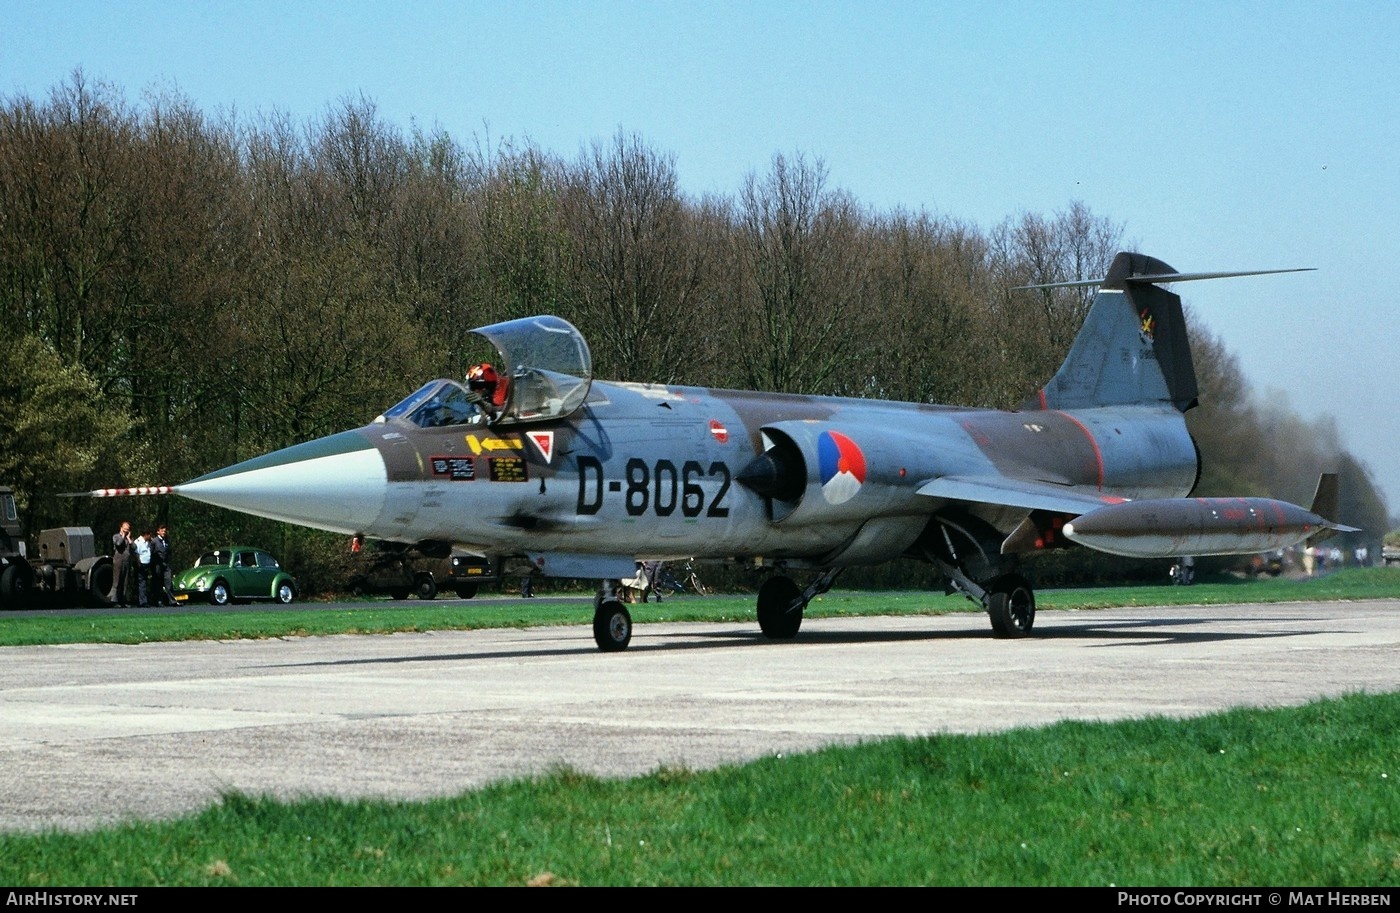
(667,585)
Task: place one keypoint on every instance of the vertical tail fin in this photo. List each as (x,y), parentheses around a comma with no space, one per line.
(1132,348)
(1325,505)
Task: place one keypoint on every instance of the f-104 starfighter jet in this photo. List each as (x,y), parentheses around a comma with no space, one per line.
(533,460)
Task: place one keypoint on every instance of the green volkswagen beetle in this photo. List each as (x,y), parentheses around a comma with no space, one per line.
(235,574)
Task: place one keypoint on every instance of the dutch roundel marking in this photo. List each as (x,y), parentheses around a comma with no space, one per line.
(842,467)
(544,443)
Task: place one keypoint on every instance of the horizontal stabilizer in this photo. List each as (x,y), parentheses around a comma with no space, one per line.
(1152,278)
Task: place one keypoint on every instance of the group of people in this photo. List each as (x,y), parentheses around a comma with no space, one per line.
(141,563)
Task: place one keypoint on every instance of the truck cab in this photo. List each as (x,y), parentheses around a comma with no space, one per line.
(16,577)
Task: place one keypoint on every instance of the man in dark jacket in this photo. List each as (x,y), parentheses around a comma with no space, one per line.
(160,568)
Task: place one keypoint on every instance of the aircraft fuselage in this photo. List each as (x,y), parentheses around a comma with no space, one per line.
(655,471)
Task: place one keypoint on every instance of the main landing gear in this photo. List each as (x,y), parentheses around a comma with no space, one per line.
(1010,602)
(968,551)
(781,603)
(1007,597)
(780,607)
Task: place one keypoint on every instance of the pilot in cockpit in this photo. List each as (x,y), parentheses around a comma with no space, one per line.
(489,387)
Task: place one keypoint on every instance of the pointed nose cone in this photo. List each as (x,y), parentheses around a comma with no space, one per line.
(337,483)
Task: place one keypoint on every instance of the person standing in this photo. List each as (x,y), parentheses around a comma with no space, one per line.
(160,568)
(651,570)
(143,569)
(123,555)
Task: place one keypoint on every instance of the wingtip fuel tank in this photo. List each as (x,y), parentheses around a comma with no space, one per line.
(1173,527)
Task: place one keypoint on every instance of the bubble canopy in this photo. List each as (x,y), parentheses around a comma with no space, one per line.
(543,363)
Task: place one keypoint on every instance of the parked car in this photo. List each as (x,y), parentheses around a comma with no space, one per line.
(402,573)
(235,574)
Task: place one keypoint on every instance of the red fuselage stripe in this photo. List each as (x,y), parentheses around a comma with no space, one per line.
(1098,454)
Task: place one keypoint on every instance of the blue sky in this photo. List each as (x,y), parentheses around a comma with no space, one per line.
(1225,135)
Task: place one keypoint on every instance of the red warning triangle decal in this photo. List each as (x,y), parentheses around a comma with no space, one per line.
(544,443)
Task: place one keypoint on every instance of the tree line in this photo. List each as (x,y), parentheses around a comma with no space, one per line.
(184,290)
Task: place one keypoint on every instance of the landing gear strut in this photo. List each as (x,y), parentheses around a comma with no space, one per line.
(1008,600)
(968,552)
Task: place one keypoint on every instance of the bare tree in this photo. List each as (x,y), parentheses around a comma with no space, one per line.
(800,269)
(1038,326)
(66,211)
(637,266)
(430,234)
(518,247)
(929,276)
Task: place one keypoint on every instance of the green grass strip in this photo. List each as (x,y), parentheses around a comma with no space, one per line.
(1299,797)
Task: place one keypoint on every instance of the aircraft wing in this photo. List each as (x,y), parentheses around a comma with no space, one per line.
(1007,492)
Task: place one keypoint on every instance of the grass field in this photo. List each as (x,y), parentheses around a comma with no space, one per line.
(385,616)
(1298,797)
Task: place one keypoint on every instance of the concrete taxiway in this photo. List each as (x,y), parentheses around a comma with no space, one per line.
(95,734)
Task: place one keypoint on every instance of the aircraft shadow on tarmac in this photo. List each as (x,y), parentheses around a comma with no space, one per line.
(1145,633)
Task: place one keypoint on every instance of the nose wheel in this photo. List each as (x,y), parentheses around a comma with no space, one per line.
(612,625)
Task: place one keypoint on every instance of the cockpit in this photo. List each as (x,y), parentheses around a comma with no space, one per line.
(548,378)
(437,404)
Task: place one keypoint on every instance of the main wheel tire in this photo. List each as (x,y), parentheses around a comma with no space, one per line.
(424,587)
(219,593)
(465,590)
(612,626)
(286,593)
(774,599)
(1011,606)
